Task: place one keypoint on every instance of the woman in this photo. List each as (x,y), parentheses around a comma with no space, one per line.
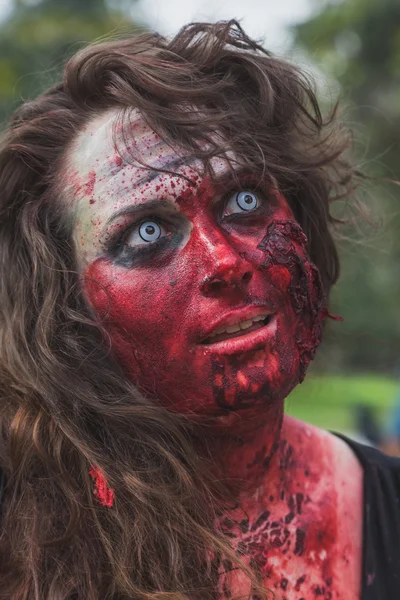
(159,300)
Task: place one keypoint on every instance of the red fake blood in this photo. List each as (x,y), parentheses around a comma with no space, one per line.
(285,245)
(88,187)
(104,494)
(297,524)
(325,314)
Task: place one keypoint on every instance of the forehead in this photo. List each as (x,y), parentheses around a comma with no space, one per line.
(105,148)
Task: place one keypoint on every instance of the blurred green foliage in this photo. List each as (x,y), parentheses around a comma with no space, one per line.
(40,35)
(331,401)
(357,44)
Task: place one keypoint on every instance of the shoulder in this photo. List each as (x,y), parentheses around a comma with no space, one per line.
(346,452)
(334,490)
(370,456)
(335,468)
(317,443)
(381,529)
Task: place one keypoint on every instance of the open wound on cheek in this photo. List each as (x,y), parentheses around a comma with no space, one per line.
(284,246)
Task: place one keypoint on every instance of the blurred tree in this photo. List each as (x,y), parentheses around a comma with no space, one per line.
(40,34)
(357,42)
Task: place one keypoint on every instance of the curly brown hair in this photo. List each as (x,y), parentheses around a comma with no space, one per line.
(64,403)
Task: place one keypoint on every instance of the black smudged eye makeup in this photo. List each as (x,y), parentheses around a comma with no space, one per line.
(143,241)
(151,238)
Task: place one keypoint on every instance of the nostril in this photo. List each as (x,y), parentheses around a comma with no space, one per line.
(216,285)
(247,276)
(213,286)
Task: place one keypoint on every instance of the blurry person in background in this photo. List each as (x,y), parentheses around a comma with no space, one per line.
(367,426)
(166,258)
(391,441)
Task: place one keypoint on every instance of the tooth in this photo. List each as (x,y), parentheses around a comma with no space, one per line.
(220,331)
(239,326)
(233,329)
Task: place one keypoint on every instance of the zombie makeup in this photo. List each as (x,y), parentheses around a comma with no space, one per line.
(204,286)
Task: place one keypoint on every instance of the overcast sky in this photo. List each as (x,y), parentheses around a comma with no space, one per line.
(5,6)
(268,19)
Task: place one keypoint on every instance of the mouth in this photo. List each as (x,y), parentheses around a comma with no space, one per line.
(238,330)
(244,336)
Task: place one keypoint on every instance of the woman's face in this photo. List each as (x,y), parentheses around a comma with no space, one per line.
(204,287)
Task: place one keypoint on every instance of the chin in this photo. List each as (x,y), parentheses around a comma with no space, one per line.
(258,379)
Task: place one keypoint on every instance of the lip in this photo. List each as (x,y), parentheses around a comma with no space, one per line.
(235,344)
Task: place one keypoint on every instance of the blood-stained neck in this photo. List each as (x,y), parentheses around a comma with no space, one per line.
(244,446)
(300,525)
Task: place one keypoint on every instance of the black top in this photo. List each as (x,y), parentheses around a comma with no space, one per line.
(381,528)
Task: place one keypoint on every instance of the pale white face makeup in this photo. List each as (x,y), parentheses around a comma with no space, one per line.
(101,183)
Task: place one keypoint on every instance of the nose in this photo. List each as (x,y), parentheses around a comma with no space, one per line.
(227,271)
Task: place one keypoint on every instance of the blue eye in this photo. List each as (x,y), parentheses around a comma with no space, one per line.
(240,202)
(149,231)
(144,234)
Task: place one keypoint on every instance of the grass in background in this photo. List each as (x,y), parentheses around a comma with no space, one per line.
(330,401)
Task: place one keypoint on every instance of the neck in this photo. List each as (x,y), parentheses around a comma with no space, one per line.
(246,448)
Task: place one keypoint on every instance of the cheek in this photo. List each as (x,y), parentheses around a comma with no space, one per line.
(132,309)
(279,277)
(110,296)
(147,316)
(148,320)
